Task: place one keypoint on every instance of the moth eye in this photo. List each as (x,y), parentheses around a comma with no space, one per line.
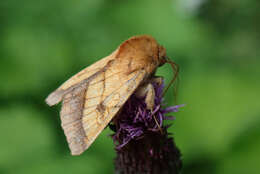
(158,52)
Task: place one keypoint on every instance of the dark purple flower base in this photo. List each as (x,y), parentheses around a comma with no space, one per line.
(154,154)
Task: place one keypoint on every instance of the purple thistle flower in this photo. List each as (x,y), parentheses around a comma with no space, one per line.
(142,143)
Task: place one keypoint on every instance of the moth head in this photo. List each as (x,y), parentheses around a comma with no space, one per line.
(162,55)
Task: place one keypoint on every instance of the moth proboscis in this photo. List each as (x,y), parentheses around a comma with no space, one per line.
(92,97)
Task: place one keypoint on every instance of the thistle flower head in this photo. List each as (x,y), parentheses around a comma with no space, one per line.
(142,142)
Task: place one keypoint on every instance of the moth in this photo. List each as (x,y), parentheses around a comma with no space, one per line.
(95,95)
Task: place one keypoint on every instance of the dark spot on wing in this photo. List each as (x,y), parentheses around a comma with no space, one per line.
(129,65)
(101,108)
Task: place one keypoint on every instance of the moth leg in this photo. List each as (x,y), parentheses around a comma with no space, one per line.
(147,90)
(159,81)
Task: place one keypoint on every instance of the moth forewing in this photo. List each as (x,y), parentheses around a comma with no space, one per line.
(92,97)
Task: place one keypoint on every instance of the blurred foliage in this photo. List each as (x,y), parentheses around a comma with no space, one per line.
(215,42)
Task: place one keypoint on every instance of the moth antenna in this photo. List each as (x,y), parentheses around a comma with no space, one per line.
(156,122)
(175,68)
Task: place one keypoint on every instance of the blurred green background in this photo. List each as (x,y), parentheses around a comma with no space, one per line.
(215,42)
